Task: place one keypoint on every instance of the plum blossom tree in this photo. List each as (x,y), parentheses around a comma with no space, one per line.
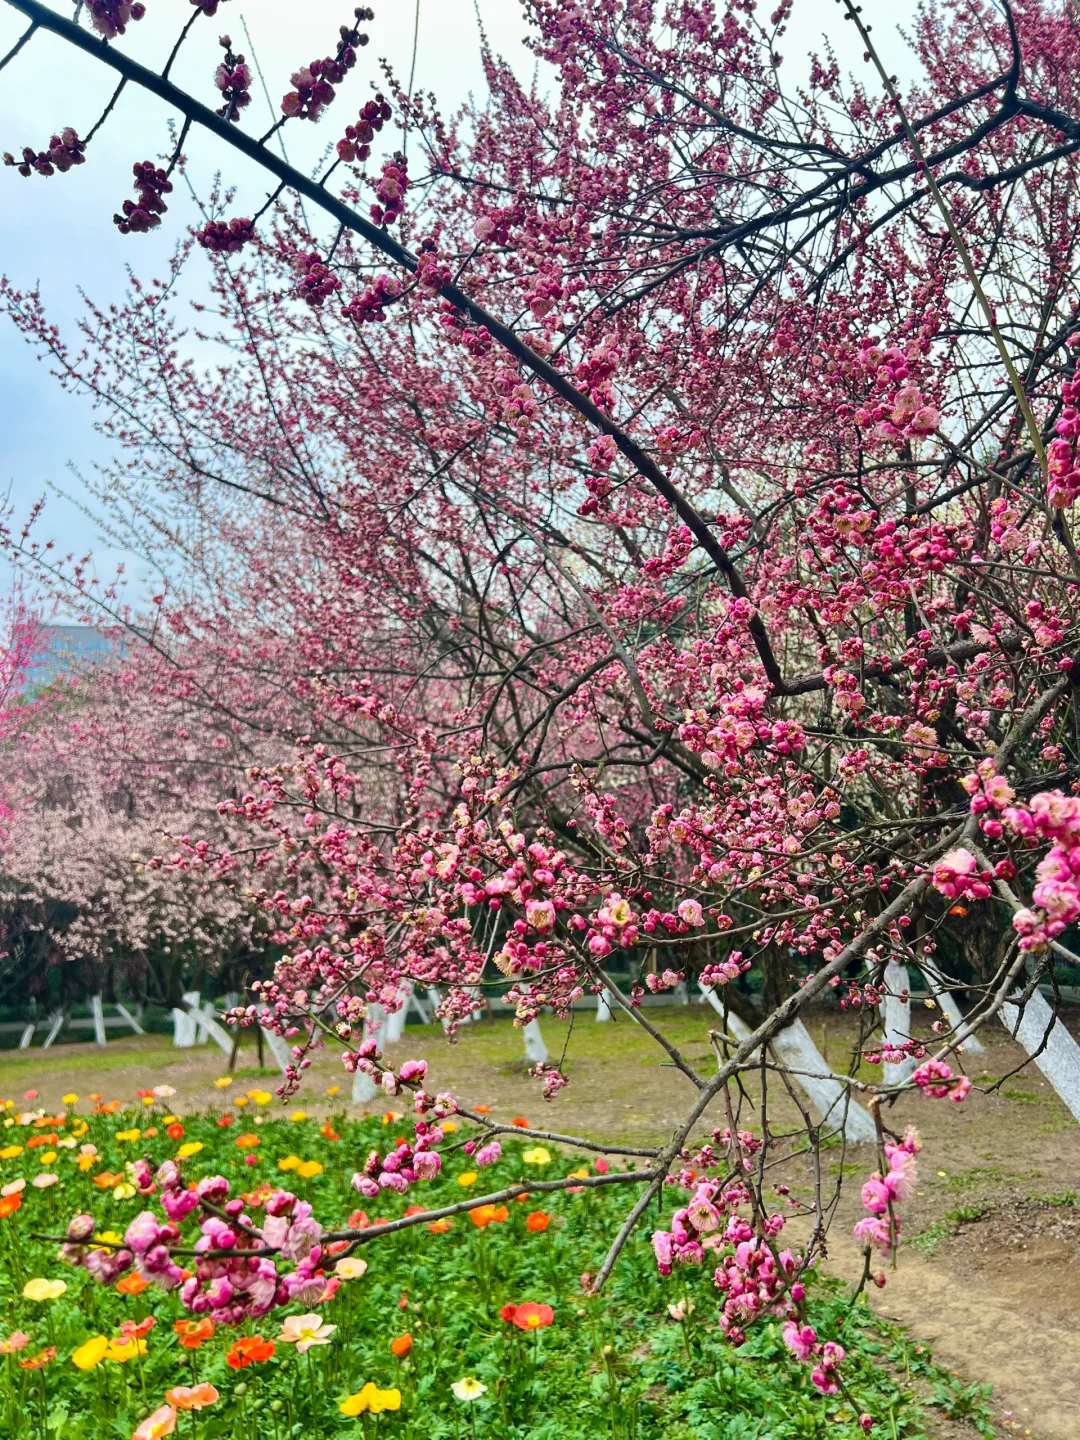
(652,499)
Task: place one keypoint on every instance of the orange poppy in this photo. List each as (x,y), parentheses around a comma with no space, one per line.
(36,1140)
(175,1131)
(401,1346)
(9,1204)
(94,1098)
(358,1220)
(488,1215)
(520,1122)
(194,1333)
(538,1222)
(106,1181)
(247,1142)
(132,1284)
(109,1108)
(440,1227)
(192,1397)
(131,1330)
(249,1350)
(413,1210)
(328,1132)
(529,1316)
(482,1109)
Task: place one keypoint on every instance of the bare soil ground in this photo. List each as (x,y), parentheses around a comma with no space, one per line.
(989,1274)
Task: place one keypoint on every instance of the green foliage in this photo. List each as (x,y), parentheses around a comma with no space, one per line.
(614,1366)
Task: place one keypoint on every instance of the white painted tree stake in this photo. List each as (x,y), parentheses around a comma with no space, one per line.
(536,1052)
(681,994)
(1060,1059)
(279,1046)
(125,1014)
(27,1036)
(897,1008)
(207,1024)
(395,1019)
(183,1028)
(834,1102)
(364,1088)
(603,1007)
(97,1015)
(375,1023)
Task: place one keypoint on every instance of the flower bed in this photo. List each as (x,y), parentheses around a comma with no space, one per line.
(477,1325)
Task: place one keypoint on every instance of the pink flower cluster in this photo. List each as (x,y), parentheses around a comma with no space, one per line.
(143,214)
(314,83)
(724,970)
(65,150)
(110,17)
(937,1082)
(881,1194)
(226,237)
(957,875)
(754,1279)
(317,281)
(371,303)
(899,408)
(232,78)
(390,192)
(356,143)
(802,1341)
(405,1164)
(1063,470)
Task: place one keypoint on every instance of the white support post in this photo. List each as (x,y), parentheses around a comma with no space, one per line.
(938,985)
(183,1029)
(1060,1057)
(375,1023)
(896,1011)
(207,1025)
(834,1102)
(423,1014)
(709,994)
(27,1036)
(279,1046)
(125,1014)
(97,1015)
(681,995)
(603,1007)
(364,1088)
(56,1024)
(536,1052)
(395,1021)
(952,1012)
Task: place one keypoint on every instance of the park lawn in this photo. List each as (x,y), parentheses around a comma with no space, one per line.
(616,1365)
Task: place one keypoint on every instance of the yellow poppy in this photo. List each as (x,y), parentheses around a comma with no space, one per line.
(188,1149)
(91,1353)
(467,1178)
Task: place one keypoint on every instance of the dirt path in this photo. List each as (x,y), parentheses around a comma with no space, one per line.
(989,1274)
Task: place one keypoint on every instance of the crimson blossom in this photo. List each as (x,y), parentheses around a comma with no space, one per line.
(652,499)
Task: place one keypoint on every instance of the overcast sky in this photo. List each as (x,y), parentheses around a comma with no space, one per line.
(59,233)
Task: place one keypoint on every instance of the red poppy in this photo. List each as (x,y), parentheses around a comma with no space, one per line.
(414,1210)
(175,1132)
(249,1350)
(225,1122)
(143,1094)
(538,1222)
(9,1204)
(520,1122)
(531,1316)
(401,1346)
(358,1220)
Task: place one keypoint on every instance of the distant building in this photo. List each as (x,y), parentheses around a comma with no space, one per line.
(67,650)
